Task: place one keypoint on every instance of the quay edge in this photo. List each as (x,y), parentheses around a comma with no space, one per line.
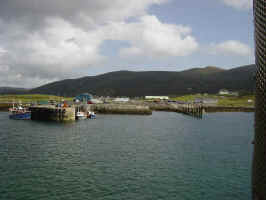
(52,113)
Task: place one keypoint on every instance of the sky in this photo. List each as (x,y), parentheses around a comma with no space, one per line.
(46,41)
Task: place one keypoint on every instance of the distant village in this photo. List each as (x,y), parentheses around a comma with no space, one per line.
(86,105)
(203,99)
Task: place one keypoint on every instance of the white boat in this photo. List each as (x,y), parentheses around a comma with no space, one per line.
(80,115)
(19,113)
(91,115)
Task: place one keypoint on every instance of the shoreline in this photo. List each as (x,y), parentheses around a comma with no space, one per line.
(215,109)
(146,108)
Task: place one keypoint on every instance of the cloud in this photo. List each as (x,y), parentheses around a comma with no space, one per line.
(43,41)
(150,37)
(239,4)
(2,51)
(95,12)
(62,44)
(50,53)
(230,47)
(4,68)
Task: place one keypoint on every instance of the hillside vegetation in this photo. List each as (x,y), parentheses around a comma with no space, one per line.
(28,98)
(135,84)
(241,101)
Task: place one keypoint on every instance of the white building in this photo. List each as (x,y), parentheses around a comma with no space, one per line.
(206,101)
(210,101)
(156,97)
(224,92)
(96,101)
(227,92)
(121,100)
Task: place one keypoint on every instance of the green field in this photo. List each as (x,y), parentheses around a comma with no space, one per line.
(240,101)
(30,98)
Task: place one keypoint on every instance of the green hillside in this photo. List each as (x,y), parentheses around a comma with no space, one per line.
(128,83)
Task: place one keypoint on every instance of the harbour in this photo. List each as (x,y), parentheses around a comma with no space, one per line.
(71,112)
(160,156)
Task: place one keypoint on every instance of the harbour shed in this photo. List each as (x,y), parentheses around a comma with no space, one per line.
(85,97)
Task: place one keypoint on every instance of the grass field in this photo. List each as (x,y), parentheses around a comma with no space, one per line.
(241,101)
(29,98)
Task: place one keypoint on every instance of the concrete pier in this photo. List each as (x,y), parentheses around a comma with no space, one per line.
(64,114)
(52,113)
(194,110)
(211,109)
(121,109)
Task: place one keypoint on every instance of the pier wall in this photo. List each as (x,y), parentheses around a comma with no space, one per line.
(211,109)
(121,109)
(51,113)
(5,106)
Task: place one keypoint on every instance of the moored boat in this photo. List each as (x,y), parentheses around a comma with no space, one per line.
(19,113)
(91,115)
(80,115)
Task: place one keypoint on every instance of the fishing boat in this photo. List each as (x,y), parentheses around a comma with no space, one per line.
(80,114)
(91,115)
(19,113)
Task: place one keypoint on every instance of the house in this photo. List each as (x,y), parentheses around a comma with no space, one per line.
(121,100)
(227,92)
(96,101)
(224,92)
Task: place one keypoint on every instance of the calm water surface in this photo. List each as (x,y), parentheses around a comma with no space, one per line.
(163,156)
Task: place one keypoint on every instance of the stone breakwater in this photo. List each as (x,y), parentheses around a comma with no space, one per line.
(49,112)
(211,109)
(121,109)
(146,108)
(52,113)
(5,106)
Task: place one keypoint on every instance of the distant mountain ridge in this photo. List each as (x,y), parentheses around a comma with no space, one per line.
(13,90)
(129,83)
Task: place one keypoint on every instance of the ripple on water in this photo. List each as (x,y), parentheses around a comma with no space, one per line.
(163,156)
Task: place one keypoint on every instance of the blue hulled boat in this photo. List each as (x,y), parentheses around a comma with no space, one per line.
(91,115)
(19,113)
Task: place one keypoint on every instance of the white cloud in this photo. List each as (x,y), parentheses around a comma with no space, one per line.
(150,37)
(54,52)
(62,44)
(231,47)
(239,4)
(61,49)
(95,11)
(49,40)
(43,41)
(4,68)
(2,51)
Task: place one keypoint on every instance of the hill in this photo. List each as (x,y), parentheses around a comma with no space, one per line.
(129,83)
(11,90)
